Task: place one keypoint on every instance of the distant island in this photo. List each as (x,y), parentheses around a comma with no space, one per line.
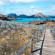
(13,16)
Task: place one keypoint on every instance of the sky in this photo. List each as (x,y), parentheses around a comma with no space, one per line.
(28,7)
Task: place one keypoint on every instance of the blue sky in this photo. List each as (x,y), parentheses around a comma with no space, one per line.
(28,7)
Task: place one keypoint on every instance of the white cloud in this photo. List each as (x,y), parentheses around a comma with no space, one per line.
(1,3)
(21,1)
(16,1)
(26,1)
(53,7)
(52,10)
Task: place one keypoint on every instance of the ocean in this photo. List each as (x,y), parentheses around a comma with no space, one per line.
(33,19)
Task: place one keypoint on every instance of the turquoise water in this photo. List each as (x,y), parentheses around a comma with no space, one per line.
(33,19)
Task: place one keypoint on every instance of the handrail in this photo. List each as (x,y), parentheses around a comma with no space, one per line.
(41,48)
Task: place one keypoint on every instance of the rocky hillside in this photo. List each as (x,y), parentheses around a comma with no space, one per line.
(41,15)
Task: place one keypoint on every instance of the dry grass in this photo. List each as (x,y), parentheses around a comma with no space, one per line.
(50,23)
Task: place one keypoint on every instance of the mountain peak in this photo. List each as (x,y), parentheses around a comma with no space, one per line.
(40,15)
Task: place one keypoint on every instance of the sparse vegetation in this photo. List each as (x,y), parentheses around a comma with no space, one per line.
(12,39)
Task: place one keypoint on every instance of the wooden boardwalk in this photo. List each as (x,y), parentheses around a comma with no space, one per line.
(49,45)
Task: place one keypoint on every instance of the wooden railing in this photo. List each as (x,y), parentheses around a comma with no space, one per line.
(41,47)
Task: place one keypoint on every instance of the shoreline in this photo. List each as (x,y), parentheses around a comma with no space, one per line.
(49,23)
(13,23)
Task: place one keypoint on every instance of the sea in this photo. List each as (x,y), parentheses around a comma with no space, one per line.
(33,19)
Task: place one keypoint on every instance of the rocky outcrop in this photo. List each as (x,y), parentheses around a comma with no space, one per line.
(3,17)
(49,23)
(40,15)
(37,23)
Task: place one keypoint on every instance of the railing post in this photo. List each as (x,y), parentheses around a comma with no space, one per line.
(32,46)
(42,45)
